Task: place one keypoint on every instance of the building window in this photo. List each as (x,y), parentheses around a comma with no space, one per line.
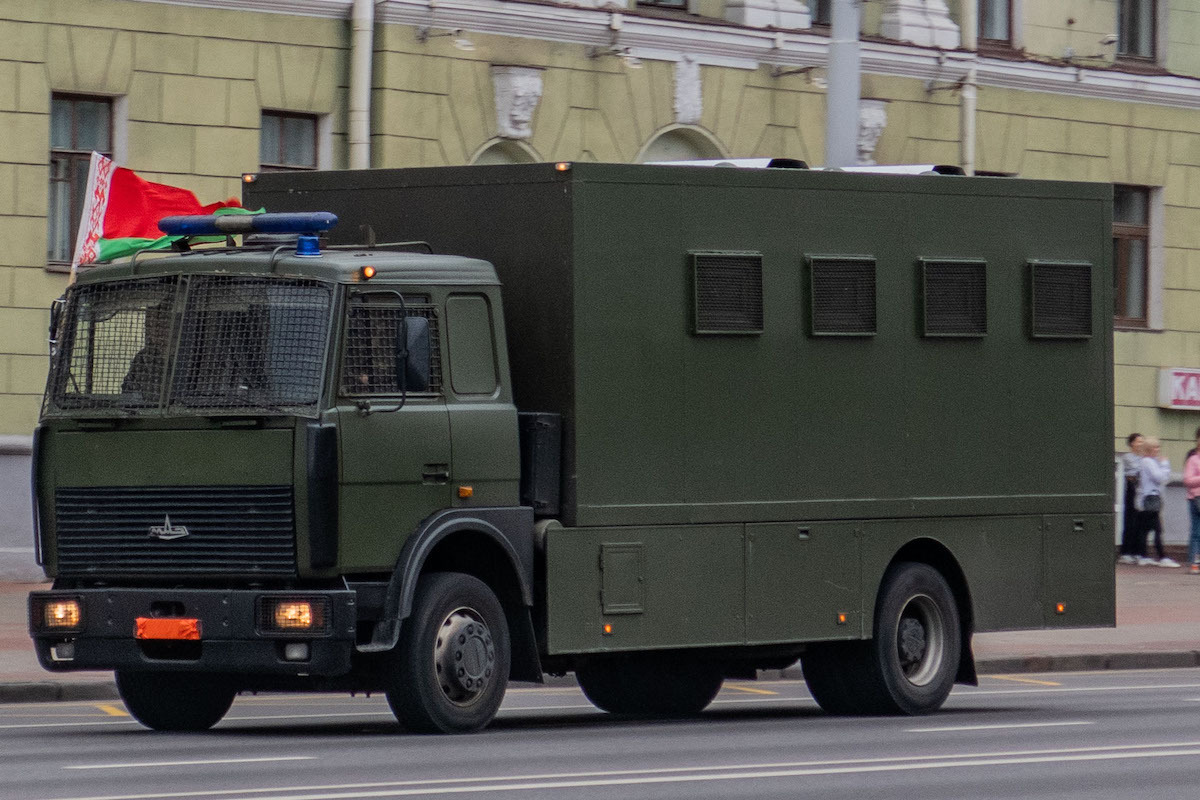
(822,11)
(664,3)
(995,20)
(287,141)
(78,125)
(1131,254)
(1135,28)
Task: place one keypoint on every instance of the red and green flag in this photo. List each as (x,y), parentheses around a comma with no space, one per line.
(121,213)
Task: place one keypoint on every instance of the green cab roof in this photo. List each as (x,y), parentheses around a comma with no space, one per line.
(337,266)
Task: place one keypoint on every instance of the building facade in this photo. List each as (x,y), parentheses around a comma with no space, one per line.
(196,92)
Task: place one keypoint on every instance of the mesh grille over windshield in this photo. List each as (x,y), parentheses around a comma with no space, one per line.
(192,344)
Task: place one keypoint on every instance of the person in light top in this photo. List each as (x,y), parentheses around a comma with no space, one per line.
(1152,477)
(1191,482)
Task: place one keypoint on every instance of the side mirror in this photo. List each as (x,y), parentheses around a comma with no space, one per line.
(413,355)
(56,312)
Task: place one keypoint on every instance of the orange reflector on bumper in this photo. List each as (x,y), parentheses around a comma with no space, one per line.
(167,628)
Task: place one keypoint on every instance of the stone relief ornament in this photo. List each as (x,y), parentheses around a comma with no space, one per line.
(688,100)
(518,90)
(872,119)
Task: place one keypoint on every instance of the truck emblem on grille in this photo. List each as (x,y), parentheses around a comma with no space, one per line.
(167,531)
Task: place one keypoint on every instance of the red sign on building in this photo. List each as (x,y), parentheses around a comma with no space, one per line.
(1179,388)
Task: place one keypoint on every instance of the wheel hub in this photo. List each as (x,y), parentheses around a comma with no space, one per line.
(920,640)
(464,656)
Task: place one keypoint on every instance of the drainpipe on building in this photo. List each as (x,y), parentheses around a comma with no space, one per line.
(362,51)
(969,32)
(841,99)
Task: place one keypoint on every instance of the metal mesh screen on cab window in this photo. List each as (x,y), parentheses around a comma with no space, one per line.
(1062,300)
(115,339)
(249,343)
(369,365)
(843,295)
(728,292)
(225,344)
(955,294)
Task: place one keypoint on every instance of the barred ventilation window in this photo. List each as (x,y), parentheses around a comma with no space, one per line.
(369,364)
(955,297)
(728,295)
(843,295)
(1062,299)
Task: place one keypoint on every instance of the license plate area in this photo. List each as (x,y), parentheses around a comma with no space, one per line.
(182,629)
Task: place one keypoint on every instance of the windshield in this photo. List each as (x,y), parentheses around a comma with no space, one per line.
(192,344)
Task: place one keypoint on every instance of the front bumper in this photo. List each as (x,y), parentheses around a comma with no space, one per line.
(231,638)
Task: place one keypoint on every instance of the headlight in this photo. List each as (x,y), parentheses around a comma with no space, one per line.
(58,614)
(293,615)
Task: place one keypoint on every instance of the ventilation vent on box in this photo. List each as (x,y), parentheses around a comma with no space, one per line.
(955,297)
(728,292)
(843,295)
(1061,299)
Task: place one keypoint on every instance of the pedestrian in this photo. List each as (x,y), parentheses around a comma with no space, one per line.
(1131,465)
(1152,477)
(1191,482)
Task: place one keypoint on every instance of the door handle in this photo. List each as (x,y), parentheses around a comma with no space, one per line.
(435,473)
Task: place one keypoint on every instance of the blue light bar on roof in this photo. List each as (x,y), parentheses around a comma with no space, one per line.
(309,222)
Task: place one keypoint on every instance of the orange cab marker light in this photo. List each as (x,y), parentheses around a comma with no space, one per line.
(563,166)
(466,491)
(607,628)
(841,618)
(167,628)
(1061,608)
(368,272)
(249,177)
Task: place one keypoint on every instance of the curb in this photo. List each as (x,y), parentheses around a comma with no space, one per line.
(65,691)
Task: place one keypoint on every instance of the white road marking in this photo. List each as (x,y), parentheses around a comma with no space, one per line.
(1072,689)
(201,762)
(994,727)
(683,774)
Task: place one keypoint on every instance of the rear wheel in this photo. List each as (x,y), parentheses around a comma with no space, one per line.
(649,686)
(449,670)
(909,667)
(175,701)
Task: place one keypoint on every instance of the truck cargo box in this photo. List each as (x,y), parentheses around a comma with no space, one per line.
(727,345)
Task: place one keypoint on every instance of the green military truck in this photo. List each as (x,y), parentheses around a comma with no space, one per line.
(655,425)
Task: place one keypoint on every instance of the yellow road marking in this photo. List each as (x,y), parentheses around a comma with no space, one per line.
(749,689)
(1021,680)
(112,710)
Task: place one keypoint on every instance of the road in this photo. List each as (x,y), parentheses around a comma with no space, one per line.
(1062,735)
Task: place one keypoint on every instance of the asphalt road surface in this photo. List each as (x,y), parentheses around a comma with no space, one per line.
(1065,735)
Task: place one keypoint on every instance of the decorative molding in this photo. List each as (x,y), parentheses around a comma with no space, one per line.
(517,92)
(872,119)
(689,103)
(736,46)
(768,13)
(923,22)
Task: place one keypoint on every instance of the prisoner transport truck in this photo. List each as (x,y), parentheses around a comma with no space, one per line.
(658,426)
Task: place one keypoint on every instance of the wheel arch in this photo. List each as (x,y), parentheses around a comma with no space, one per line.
(932,552)
(493,545)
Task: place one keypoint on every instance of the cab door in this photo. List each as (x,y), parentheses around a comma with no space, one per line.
(395,459)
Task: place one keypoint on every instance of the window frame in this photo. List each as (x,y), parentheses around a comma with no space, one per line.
(1123,233)
(72,156)
(390,299)
(819,19)
(1124,7)
(281,165)
(990,41)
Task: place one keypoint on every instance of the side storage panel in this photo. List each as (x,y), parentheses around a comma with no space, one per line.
(1079,570)
(656,587)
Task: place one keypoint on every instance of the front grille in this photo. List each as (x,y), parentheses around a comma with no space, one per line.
(230,530)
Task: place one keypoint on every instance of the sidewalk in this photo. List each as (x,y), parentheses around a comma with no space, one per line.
(1158,625)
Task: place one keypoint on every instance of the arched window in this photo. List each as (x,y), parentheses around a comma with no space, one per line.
(506,151)
(681,144)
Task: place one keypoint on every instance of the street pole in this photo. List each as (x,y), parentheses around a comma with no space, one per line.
(845,83)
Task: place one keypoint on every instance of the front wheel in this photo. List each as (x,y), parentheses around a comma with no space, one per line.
(175,701)
(450,668)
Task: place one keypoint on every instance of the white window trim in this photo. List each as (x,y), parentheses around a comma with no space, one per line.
(1156,260)
(324,141)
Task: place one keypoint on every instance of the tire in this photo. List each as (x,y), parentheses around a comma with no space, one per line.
(647,686)
(175,701)
(449,671)
(910,665)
